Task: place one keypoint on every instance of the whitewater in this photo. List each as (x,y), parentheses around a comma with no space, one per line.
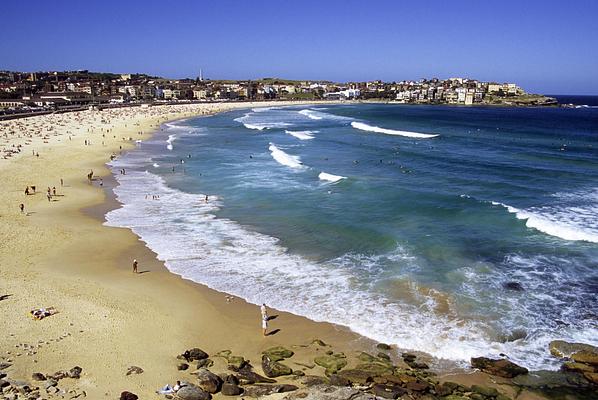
(478,241)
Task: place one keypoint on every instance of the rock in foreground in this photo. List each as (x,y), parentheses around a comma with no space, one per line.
(501,367)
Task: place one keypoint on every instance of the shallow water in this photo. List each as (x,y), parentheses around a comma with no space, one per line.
(451,230)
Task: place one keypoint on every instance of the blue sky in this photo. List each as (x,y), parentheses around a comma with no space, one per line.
(545,46)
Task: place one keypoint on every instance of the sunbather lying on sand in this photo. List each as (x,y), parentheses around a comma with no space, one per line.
(41,313)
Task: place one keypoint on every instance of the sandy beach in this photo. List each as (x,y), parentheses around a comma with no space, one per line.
(57,253)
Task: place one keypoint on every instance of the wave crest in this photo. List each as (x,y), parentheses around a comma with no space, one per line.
(365,127)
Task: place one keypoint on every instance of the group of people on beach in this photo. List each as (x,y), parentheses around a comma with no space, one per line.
(32,189)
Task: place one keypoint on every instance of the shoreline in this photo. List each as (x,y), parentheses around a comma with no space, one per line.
(75,224)
(351,339)
(82,268)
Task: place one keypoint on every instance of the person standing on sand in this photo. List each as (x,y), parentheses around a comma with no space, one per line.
(22,207)
(135,266)
(264,311)
(265,325)
(49,196)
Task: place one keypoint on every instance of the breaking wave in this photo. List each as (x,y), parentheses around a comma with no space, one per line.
(330,177)
(369,128)
(569,223)
(301,135)
(285,159)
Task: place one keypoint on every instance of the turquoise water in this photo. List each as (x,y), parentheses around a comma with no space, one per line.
(456,231)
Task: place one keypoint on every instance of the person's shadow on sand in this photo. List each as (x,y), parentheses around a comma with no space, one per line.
(143,272)
(274,332)
(271,317)
(4,296)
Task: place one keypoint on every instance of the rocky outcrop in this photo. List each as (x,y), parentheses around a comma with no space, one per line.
(247,376)
(332,363)
(563,349)
(208,381)
(500,367)
(192,392)
(323,392)
(265,390)
(278,353)
(584,358)
(235,363)
(273,368)
(194,354)
(128,396)
(230,386)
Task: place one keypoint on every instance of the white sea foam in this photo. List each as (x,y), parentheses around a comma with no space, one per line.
(311,114)
(330,178)
(155,165)
(569,223)
(265,109)
(285,159)
(260,123)
(319,115)
(182,229)
(301,135)
(171,138)
(369,128)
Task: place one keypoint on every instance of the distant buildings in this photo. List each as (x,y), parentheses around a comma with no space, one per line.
(60,89)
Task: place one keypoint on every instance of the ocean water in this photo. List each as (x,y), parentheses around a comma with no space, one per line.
(458,231)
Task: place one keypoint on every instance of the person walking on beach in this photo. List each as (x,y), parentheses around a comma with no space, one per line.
(135,266)
(264,311)
(49,196)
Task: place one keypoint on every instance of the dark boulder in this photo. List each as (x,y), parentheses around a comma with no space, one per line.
(515,286)
(338,380)
(230,389)
(388,392)
(313,380)
(273,369)
(75,372)
(357,376)
(265,390)
(194,354)
(192,392)
(208,381)
(249,377)
(501,367)
(38,376)
(182,366)
(383,346)
(128,396)
(418,386)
